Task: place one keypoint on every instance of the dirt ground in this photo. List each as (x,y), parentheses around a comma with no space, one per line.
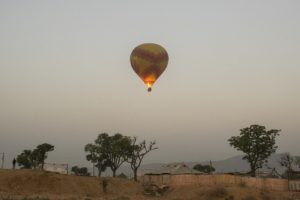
(36,184)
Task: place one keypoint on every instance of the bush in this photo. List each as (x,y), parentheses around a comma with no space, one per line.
(242,184)
(249,197)
(265,196)
(218,192)
(229,198)
(122,198)
(80,171)
(104,185)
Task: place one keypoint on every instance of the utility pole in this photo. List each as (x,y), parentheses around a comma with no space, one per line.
(2,166)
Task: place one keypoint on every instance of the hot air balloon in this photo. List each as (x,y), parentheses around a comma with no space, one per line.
(149,61)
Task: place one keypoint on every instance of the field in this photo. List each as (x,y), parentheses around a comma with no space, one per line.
(35,184)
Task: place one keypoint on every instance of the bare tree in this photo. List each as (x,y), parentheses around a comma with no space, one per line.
(287,161)
(137,154)
(297,161)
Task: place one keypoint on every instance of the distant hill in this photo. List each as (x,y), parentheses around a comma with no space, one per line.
(232,164)
(237,164)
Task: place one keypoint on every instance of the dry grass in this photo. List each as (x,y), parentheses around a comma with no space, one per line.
(122,198)
(249,197)
(229,198)
(218,192)
(265,196)
(22,198)
(242,184)
(39,185)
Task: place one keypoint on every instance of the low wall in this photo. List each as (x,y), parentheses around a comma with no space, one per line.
(210,180)
(295,185)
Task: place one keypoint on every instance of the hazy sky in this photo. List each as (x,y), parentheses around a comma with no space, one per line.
(65,75)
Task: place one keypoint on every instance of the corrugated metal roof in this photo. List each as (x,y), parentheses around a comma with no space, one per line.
(175,168)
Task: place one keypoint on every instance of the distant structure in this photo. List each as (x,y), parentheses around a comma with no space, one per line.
(172,169)
(58,168)
(179,174)
(294,185)
(268,173)
(162,176)
(265,173)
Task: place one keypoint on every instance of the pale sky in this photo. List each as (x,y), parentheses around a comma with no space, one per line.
(65,75)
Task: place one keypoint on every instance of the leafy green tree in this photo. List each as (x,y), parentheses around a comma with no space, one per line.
(257,143)
(97,156)
(137,153)
(74,169)
(42,151)
(117,150)
(33,158)
(80,171)
(24,159)
(204,168)
(109,151)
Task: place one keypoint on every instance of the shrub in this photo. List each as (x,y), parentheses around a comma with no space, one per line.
(122,198)
(229,198)
(265,196)
(104,185)
(218,192)
(242,184)
(249,197)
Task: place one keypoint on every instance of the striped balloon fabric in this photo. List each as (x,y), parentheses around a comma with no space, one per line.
(149,61)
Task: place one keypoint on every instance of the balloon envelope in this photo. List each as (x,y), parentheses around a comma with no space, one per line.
(149,61)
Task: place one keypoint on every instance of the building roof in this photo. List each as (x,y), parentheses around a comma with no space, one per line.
(174,168)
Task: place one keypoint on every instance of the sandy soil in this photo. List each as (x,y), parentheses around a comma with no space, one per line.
(36,184)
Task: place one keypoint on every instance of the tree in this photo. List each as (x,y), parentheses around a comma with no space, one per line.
(287,161)
(109,151)
(83,171)
(117,149)
(137,153)
(204,168)
(257,143)
(96,156)
(33,158)
(297,158)
(42,151)
(24,159)
(80,171)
